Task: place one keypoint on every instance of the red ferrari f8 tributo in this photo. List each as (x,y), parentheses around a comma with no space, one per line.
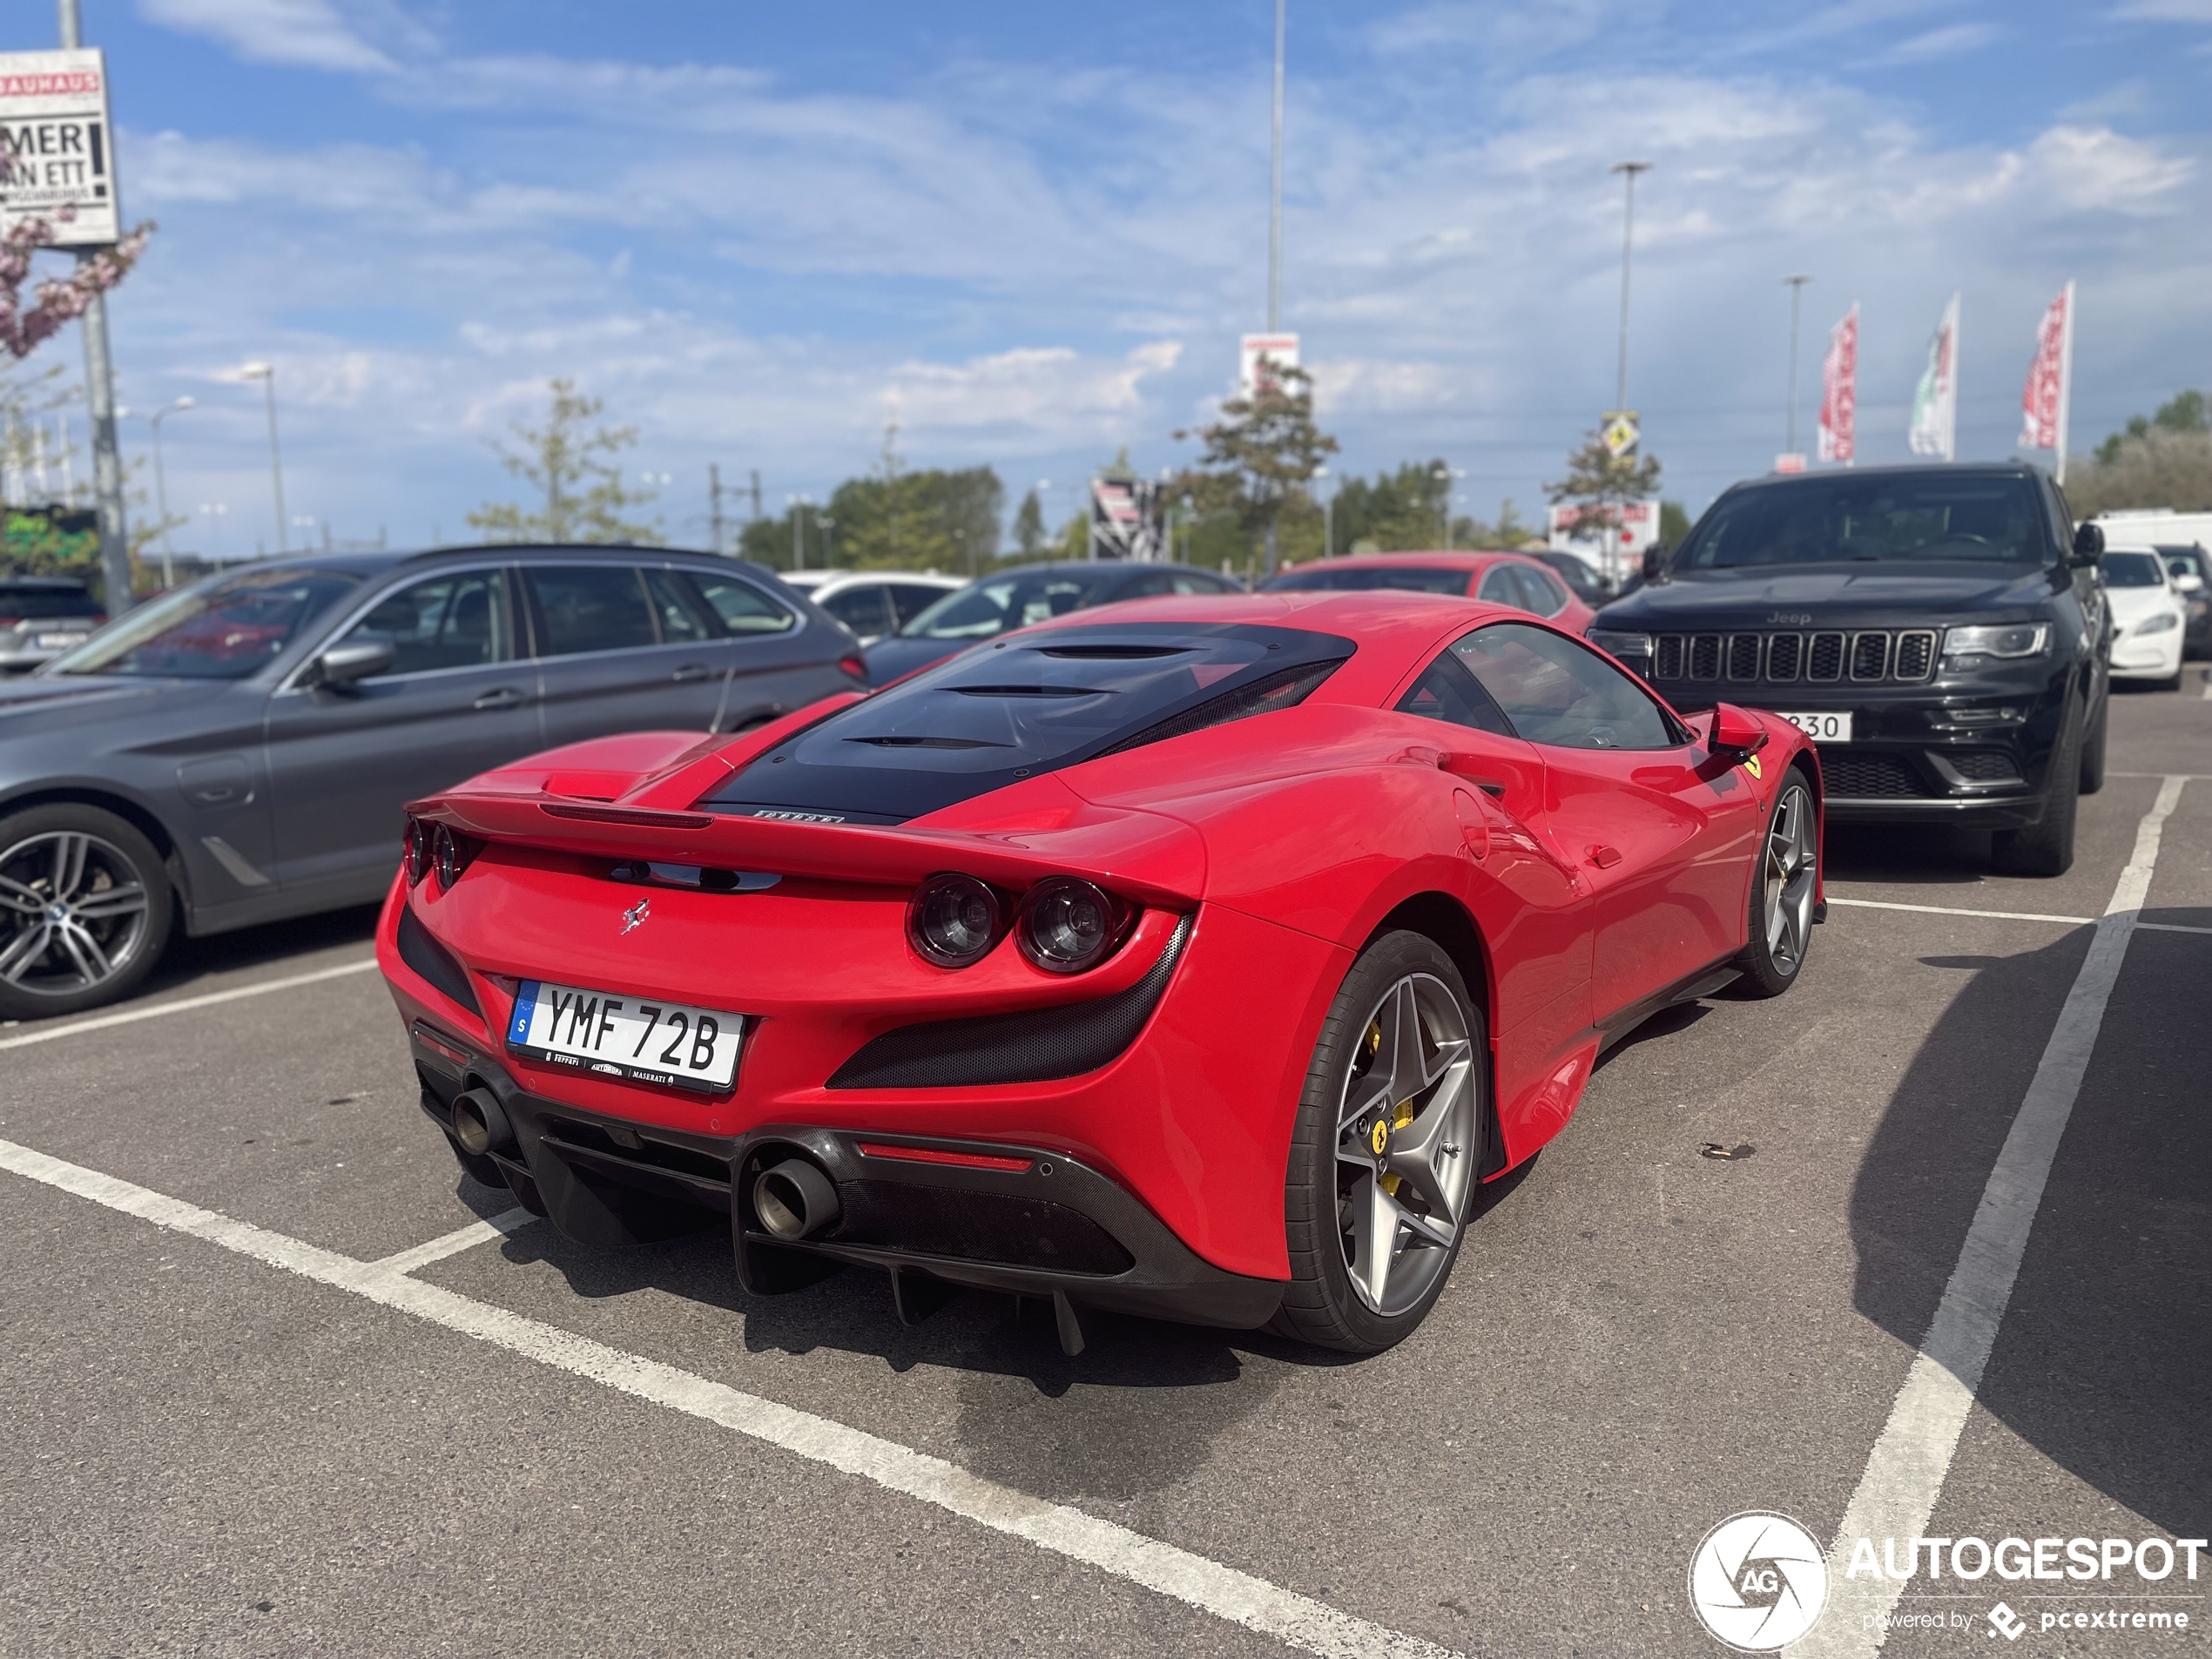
(1197,957)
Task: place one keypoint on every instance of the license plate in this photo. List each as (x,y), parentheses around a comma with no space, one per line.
(1821,728)
(634,1038)
(56,641)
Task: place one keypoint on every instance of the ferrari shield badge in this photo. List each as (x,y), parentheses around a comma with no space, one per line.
(1751,765)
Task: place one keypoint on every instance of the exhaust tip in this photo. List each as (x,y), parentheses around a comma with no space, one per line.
(795,1199)
(478,1124)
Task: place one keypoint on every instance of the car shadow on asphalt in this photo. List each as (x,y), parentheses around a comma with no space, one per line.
(1904,854)
(273,942)
(2104,1360)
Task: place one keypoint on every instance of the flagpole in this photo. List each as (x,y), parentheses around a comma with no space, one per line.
(2066,381)
(1951,408)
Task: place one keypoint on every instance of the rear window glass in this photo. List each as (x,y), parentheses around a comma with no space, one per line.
(986,608)
(222,630)
(40,602)
(1829,520)
(742,608)
(986,718)
(2132,570)
(1364,579)
(586,607)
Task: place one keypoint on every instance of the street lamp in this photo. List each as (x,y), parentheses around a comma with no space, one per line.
(161,485)
(265,373)
(1627,170)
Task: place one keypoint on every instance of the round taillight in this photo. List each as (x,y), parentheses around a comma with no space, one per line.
(1067,924)
(418,852)
(954,920)
(445,855)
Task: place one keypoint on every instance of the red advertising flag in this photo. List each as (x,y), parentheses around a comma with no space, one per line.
(1839,391)
(2043,402)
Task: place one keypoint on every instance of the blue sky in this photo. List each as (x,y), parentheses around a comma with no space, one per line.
(1034,233)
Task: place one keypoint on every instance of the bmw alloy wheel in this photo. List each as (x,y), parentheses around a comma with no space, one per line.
(1406,1139)
(74,913)
(1789,872)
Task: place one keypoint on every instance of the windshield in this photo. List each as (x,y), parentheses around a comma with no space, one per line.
(222,630)
(1840,520)
(988,608)
(2132,570)
(987,719)
(1364,579)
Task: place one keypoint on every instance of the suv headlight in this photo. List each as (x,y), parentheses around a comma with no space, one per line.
(2164,621)
(1620,644)
(2000,640)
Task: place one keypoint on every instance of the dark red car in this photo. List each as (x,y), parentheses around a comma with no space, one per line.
(1521,580)
(1197,958)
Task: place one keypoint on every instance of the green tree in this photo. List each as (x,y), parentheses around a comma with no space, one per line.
(2183,412)
(893,520)
(1028,525)
(1601,482)
(1261,455)
(571,463)
(1673,523)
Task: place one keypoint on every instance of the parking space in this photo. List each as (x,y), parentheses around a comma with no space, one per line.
(1641,1339)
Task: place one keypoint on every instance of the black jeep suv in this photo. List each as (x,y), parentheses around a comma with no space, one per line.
(1938,630)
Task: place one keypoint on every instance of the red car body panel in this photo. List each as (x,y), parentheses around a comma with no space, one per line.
(1289,837)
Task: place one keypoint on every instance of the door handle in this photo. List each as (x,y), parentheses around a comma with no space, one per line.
(504,697)
(691,671)
(1605,857)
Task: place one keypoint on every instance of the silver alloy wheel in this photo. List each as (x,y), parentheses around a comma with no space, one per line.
(73,913)
(1406,1144)
(1791,872)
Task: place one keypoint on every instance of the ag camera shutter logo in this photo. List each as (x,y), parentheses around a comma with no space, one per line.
(1759,1581)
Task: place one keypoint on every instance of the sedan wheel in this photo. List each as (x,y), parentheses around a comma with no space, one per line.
(1382,1165)
(83,910)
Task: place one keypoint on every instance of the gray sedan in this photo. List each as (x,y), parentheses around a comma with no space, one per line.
(238,752)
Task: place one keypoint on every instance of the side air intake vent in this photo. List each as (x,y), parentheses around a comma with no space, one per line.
(1041,1046)
(434,962)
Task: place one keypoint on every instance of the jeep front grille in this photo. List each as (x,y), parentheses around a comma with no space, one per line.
(1863,657)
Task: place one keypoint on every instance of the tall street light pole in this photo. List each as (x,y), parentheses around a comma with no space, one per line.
(161,486)
(265,373)
(99,401)
(1274,194)
(1629,170)
(1797,295)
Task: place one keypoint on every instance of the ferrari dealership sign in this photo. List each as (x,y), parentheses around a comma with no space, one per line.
(56,150)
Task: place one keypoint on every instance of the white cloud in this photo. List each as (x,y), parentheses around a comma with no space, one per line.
(307,33)
(1936,44)
(2166,10)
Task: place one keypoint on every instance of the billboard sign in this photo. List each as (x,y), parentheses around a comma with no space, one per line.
(1278,349)
(56,150)
(1125,520)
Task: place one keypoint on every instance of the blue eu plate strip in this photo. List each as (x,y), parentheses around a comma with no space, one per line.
(525,1006)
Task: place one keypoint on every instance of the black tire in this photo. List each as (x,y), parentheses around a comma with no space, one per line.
(2046,848)
(1321,1305)
(1781,892)
(40,980)
(2092,747)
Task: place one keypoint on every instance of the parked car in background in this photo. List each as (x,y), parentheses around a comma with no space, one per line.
(1028,593)
(2191,569)
(43,617)
(2149,618)
(1578,573)
(239,750)
(1521,580)
(872,602)
(1937,630)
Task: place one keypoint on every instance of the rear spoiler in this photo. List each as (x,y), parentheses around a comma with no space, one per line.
(564,802)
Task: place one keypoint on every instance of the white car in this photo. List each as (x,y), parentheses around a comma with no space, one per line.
(2148,616)
(873,603)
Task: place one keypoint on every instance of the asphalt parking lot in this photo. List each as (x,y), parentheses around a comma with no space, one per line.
(229,1441)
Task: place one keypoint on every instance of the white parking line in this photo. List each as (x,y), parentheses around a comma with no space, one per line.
(476,1232)
(1905,1475)
(184,1005)
(1224,1592)
(1947,910)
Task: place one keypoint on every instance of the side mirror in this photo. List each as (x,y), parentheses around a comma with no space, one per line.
(1736,732)
(1655,563)
(2187,582)
(356,659)
(2089,545)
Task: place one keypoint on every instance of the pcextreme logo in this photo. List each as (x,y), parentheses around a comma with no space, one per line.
(1759,1581)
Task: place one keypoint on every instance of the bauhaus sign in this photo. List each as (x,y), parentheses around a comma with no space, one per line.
(57,151)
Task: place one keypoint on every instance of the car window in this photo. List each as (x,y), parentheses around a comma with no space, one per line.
(989,607)
(1833,518)
(213,630)
(1364,577)
(591,607)
(910,599)
(1556,693)
(456,620)
(2132,570)
(1576,575)
(743,607)
(866,608)
(1546,597)
(1502,586)
(1150,584)
(1448,692)
(683,619)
